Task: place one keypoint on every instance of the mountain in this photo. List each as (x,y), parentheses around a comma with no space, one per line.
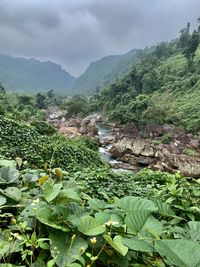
(31,75)
(163,87)
(105,71)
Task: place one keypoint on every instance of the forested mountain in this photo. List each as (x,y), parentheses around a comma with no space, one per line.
(105,71)
(162,87)
(31,75)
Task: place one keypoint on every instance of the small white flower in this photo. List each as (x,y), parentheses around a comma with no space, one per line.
(93,240)
(35,201)
(111,222)
(17,236)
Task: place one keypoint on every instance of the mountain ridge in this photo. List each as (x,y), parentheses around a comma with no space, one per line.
(22,74)
(105,71)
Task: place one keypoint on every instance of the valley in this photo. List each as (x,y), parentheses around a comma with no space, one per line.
(102,170)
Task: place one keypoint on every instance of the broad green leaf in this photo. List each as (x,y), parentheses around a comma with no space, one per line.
(90,226)
(47,216)
(104,217)
(67,195)
(193,228)
(163,208)
(117,244)
(8,175)
(181,253)
(130,203)
(153,226)
(97,204)
(7,163)
(2,200)
(64,249)
(138,245)
(13,192)
(136,218)
(51,191)
(71,212)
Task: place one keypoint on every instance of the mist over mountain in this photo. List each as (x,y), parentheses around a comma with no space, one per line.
(105,71)
(31,75)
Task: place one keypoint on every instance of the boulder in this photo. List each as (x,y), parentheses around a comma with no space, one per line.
(145,161)
(130,130)
(153,131)
(72,132)
(186,165)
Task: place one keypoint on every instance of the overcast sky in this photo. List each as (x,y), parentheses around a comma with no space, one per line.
(74,33)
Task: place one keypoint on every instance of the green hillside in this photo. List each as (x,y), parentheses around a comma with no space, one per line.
(105,71)
(163,87)
(31,75)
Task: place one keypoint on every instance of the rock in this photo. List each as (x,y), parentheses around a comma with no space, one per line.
(186,165)
(157,167)
(108,140)
(73,122)
(70,131)
(145,161)
(153,131)
(121,165)
(194,144)
(115,152)
(89,130)
(148,151)
(130,130)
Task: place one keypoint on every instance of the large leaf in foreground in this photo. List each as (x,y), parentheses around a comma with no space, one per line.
(47,216)
(8,175)
(65,249)
(117,244)
(181,253)
(137,245)
(51,191)
(136,218)
(129,203)
(90,226)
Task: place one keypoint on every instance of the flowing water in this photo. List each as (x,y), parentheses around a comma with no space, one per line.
(104,131)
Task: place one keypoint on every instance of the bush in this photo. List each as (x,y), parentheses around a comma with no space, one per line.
(20,140)
(43,127)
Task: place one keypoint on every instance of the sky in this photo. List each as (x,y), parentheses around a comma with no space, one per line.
(74,33)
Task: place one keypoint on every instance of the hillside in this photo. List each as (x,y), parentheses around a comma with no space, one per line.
(162,87)
(31,75)
(105,71)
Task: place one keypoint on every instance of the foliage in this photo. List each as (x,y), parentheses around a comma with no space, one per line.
(77,106)
(105,71)
(47,219)
(162,87)
(43,127)
(20,140)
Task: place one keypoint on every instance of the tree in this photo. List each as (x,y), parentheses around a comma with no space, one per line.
(77,106)
(40,101)
(191,48)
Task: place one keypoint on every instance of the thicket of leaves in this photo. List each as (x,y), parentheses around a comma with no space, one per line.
(48,219)
(20,140)
(163,87)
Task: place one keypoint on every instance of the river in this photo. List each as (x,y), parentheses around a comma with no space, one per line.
(104,131)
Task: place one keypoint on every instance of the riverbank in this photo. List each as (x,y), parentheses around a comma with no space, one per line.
(165,148)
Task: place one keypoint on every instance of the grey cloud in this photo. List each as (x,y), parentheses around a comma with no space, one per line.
(74,33)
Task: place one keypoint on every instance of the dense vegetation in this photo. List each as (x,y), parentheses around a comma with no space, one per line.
(163,87)
(49,218)
(61,206)
(31,75)
(105,71)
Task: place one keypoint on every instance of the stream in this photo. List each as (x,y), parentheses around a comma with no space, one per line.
(104,131)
